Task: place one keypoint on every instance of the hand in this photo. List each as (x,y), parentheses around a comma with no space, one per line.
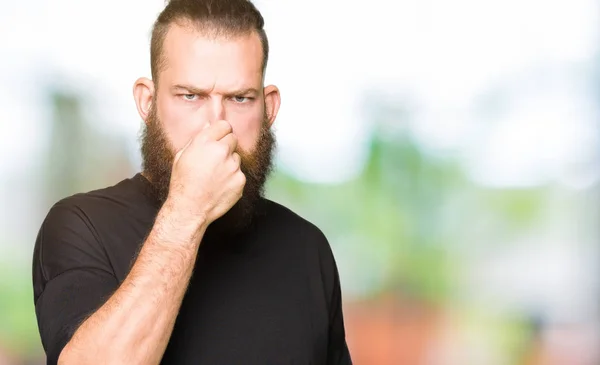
(206,179)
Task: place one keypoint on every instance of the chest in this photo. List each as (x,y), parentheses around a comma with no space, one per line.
(259,301)
(249,308)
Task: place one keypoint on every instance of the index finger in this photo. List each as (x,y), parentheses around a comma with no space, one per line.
(217,130)
(178,155)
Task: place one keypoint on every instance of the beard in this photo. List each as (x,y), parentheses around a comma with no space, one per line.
(157,163)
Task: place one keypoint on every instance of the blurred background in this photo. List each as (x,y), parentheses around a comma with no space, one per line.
(448,149)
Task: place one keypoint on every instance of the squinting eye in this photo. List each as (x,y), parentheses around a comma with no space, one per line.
(189,97)
(240,99)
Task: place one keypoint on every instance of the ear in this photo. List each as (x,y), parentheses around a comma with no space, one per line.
(272,103)
(143,93)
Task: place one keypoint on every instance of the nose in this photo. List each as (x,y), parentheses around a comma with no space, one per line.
(217,109)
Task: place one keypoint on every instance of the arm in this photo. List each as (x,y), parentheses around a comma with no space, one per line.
(72,276)
(137,321)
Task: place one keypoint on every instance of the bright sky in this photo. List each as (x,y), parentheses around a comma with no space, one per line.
(444,55)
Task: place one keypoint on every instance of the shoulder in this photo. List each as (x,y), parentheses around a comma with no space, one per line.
(309,239)
(126,193)
(69,230)
(68,236)
(298,229)
(125,199)
(76,217)
(292,222)
(71,212)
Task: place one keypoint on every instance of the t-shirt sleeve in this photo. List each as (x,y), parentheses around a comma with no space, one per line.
(72,276)
(337,348)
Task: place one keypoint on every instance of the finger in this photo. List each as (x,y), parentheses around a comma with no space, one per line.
(217,130)
(243,180)
(231,141)
(202,135)
(236,158)
(178,155)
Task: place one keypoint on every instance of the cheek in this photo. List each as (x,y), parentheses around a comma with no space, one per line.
(179,124)
(247,129)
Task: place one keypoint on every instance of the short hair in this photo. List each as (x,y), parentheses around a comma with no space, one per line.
(219,18)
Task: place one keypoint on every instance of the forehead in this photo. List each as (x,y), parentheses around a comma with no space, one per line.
(205,60)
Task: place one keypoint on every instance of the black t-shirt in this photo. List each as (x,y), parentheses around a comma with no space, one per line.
(269,296)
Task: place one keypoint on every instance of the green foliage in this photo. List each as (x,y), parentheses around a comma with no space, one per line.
(18,327)
(405,214)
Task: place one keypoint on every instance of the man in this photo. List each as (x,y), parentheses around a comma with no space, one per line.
(186,263)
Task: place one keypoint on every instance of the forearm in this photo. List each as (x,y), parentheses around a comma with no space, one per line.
(137,321)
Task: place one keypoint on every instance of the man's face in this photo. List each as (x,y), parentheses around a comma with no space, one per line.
(205,80)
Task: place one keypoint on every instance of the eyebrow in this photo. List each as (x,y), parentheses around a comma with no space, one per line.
(200,91)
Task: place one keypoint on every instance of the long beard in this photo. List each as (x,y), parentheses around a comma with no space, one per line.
(158,156)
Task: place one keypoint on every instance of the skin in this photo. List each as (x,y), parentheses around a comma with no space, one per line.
(219,79)
(211,101)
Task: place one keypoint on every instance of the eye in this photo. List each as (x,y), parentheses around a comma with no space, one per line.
(190,97)
(241,99)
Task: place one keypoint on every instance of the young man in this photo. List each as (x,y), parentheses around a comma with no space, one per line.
(186,262)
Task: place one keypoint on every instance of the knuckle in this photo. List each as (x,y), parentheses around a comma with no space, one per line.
(230,169)
(222,149)
(217,149)
(202,137)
